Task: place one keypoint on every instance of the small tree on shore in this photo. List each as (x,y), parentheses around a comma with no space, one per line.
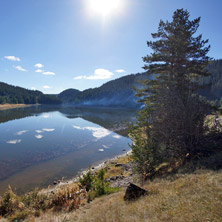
(175,112)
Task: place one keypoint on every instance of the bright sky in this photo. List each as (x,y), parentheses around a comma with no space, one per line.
(52,45)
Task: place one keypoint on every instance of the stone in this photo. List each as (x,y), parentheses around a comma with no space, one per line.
(112,162)
(134,192)
(119,165)
(55,182)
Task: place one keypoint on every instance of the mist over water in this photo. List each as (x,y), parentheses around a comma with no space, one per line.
(41,144)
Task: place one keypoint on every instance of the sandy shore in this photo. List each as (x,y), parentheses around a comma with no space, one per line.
(14,106)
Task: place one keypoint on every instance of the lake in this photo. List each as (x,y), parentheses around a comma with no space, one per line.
(41,144)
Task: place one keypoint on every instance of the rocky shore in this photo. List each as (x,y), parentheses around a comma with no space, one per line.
(119,173)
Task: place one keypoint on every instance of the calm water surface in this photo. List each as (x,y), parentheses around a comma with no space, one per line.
(41,144)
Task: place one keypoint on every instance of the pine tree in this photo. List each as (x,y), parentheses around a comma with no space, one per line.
(174,68)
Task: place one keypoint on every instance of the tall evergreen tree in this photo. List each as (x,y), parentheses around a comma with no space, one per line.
(177,62)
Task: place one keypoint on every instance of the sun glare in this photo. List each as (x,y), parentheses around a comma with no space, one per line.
(104,7)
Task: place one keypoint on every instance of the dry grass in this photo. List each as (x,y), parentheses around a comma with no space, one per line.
(112,171)
(13,106)
(186,198)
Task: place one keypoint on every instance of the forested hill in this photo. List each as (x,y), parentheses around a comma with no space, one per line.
(120,92)
(115,93)
(17,95)
(214,90)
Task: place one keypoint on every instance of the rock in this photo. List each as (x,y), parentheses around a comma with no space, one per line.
(134,192)
(112,162)
(55,182)
(119,165)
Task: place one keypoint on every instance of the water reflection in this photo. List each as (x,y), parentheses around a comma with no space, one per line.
(38,137)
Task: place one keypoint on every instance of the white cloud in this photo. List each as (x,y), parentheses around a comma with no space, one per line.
(48,130)
(33,88)
(38,65)
(120,70)
(97,132)
(98,74)
(38,136)
(116,136)
(20,68)
(21,132)
(48,73)
(101,150)
(77,127)
(13,58)
(46,87)
(80,77)
(46,115)
(39,131)
(39,70)
(14,141)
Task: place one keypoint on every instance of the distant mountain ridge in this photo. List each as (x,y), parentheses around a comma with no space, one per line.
(115,93)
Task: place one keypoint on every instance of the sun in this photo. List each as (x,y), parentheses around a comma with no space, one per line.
(104,7)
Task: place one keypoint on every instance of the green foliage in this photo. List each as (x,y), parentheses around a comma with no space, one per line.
(95,184)
(9,203)
(86,180)
(18,95)
(146,151)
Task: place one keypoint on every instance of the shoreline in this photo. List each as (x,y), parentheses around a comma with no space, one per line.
(15,106)
(94,168)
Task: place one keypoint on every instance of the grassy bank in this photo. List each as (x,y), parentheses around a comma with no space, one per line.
(14,106)
(195,197)
(188,196)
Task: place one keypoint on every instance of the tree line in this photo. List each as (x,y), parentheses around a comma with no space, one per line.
(18,95)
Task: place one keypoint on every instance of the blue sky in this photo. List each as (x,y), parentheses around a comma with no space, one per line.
(72,44)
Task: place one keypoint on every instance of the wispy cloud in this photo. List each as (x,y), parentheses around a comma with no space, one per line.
(48,73)
(14,141)
(21,132)
(46,87)
(13,58)
(120,70)
(38,65)
(20,68)
(98,74)
(48,130)
(39,70)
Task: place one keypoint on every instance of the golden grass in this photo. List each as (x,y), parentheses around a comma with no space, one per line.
(13,106)
(185,198)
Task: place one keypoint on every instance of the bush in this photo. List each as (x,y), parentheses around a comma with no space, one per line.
(9,203)
(95,185)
